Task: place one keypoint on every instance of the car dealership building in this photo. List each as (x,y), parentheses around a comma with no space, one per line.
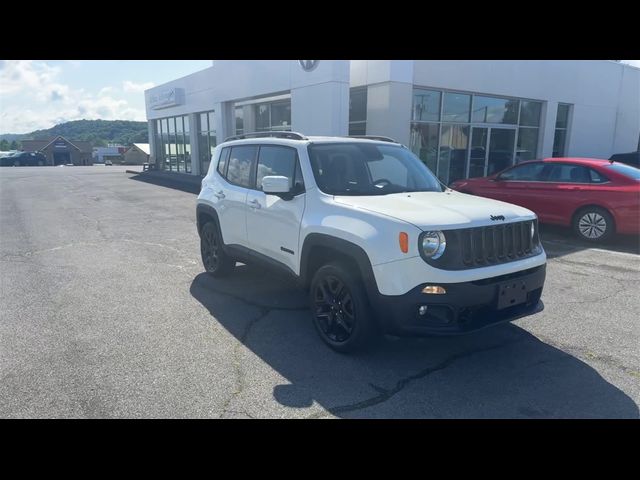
(463,118)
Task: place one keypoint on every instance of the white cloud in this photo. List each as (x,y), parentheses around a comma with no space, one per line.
(129,86)
(635,63)
(39,100)
(105,90)
(25,75)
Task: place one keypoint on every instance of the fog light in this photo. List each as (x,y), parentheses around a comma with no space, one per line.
(434,290)
(422,310)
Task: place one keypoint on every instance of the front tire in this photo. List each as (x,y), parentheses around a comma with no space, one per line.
(216,262)
(340,309)
(593,224)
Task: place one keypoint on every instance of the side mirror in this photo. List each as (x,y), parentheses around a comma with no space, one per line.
(276,184)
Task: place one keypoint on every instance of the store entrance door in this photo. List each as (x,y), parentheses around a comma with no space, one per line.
(61,158)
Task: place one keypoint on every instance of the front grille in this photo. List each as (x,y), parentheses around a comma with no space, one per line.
(496,243)
(490,245)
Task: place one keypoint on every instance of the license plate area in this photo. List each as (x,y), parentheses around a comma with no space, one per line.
(511,294)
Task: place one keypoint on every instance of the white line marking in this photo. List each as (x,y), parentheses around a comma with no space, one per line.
(591,249)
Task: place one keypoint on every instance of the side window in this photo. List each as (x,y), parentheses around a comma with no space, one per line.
(222,163)
(597,177)
(240,162)
(298,180)
(529,172)
(563,173)
(275,160)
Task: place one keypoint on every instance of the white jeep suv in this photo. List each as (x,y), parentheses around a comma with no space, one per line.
(366,227)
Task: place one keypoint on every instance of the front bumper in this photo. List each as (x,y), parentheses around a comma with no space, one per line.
(466,307)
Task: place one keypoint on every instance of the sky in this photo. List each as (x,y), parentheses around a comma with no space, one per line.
(38,94)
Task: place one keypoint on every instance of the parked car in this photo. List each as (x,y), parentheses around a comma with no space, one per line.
(22,159)
(596,197)
(108,162)
(631,158)
(370,232)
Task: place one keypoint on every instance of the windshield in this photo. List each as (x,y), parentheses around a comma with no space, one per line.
(369,169)
(626,170)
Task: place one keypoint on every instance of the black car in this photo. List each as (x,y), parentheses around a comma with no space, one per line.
(22,159)
(631,158)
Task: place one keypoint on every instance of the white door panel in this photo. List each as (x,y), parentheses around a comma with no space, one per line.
(273,226)
(232,213)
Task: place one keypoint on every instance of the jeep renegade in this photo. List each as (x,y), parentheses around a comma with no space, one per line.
(381,245)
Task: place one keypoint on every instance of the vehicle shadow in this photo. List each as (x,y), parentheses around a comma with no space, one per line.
(502,372)
(188,185)
(562,241)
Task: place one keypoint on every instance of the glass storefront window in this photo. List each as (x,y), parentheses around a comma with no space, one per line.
(456,107)
(281,116)
(443,122)
(424,143)
(204,123)
(426,105)
(527,144)
(263,120)
(206,140)
(559,141)
(494,110)
(530,113)
(452,158)
(239,120)
(358,105)
(562,119)
(187,145)
(560,136)
(357,128)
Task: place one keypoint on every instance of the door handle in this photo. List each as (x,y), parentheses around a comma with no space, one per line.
(220,194)
(255,204)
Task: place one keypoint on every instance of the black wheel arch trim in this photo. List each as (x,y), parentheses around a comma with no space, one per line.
(345,248)
(202,209)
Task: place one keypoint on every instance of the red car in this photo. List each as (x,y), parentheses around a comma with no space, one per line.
(596,197)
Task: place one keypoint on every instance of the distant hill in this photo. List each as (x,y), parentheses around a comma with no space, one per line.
(98,132)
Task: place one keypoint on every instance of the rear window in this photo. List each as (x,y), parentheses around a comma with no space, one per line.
(626,170)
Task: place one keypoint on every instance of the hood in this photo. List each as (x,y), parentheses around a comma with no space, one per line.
(439,210)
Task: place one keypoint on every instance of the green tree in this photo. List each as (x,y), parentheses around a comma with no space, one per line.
(4,145)
(14,145)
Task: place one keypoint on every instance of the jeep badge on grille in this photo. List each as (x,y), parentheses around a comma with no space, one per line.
(497,217)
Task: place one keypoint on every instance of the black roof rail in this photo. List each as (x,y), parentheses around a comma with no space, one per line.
(276,134)
(374,137)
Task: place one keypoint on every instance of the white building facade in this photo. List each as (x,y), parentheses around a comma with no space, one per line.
(463,118)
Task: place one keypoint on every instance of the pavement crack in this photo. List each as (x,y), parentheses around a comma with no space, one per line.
(385,395)
(596,300)
(585,354)
(237,364)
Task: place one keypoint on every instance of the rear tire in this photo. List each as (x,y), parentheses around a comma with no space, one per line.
(216,262)
(340,309)
(593,224)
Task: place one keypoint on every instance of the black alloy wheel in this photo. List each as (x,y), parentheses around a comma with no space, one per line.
(335,311)
(340,309)
(215,260)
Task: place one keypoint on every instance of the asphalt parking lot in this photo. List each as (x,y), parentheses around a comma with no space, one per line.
(105,312)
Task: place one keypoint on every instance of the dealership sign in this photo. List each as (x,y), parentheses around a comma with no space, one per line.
(166,98)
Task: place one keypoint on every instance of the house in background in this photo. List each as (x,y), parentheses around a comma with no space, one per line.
(111,152)
(60,151)
(137,154)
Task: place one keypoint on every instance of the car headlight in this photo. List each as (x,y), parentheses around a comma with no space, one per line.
(433,244)
(533,230)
